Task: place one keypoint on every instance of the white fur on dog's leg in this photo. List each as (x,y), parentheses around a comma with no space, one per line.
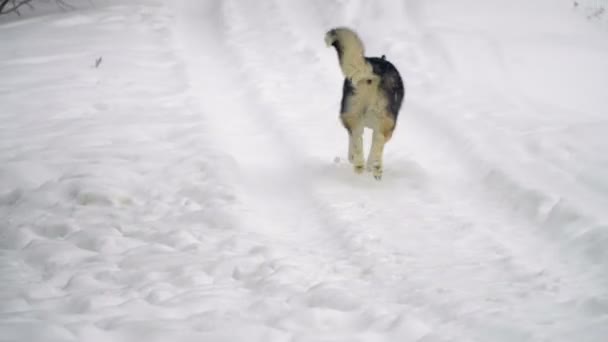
(351,149)
(375,155)
(357,151)
(368,165)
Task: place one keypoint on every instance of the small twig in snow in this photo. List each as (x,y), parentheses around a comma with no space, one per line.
(64,5)
(98,62)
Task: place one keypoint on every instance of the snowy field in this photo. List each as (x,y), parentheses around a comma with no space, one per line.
(175,171)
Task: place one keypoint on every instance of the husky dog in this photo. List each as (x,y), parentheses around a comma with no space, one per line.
(371,97)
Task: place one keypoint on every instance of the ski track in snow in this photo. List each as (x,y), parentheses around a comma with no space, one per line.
(186,190)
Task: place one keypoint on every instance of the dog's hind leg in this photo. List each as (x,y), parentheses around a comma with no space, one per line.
(380,137)
(355,140)
(356,150)
(374,161)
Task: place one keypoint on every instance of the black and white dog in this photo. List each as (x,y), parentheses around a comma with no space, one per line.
(371,97)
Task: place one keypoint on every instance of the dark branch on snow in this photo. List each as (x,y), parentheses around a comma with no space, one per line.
(15,6)
(12,6)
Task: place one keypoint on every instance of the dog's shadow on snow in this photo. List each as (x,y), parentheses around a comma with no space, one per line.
(400,172)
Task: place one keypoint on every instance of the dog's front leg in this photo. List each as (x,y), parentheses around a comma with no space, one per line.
(374,161)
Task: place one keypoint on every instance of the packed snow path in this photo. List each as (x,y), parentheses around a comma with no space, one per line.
(192,186)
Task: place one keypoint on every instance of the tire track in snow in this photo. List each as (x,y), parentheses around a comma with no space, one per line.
(366,247)
(355,243)
(308,270)
(298,155)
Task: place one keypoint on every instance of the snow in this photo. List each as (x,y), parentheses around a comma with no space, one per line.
(193,185)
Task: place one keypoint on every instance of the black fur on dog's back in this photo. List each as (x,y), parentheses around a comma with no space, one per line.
(391,83)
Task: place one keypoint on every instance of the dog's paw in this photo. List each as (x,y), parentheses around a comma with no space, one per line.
(369,167)
(359,169)
(377,171)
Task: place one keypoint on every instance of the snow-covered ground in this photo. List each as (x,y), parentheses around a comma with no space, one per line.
(174,171)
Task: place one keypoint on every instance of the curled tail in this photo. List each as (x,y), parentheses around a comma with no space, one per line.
(351,53)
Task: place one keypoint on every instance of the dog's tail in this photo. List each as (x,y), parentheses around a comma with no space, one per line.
(351,53)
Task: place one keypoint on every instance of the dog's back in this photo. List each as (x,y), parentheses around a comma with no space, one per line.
(391,84)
